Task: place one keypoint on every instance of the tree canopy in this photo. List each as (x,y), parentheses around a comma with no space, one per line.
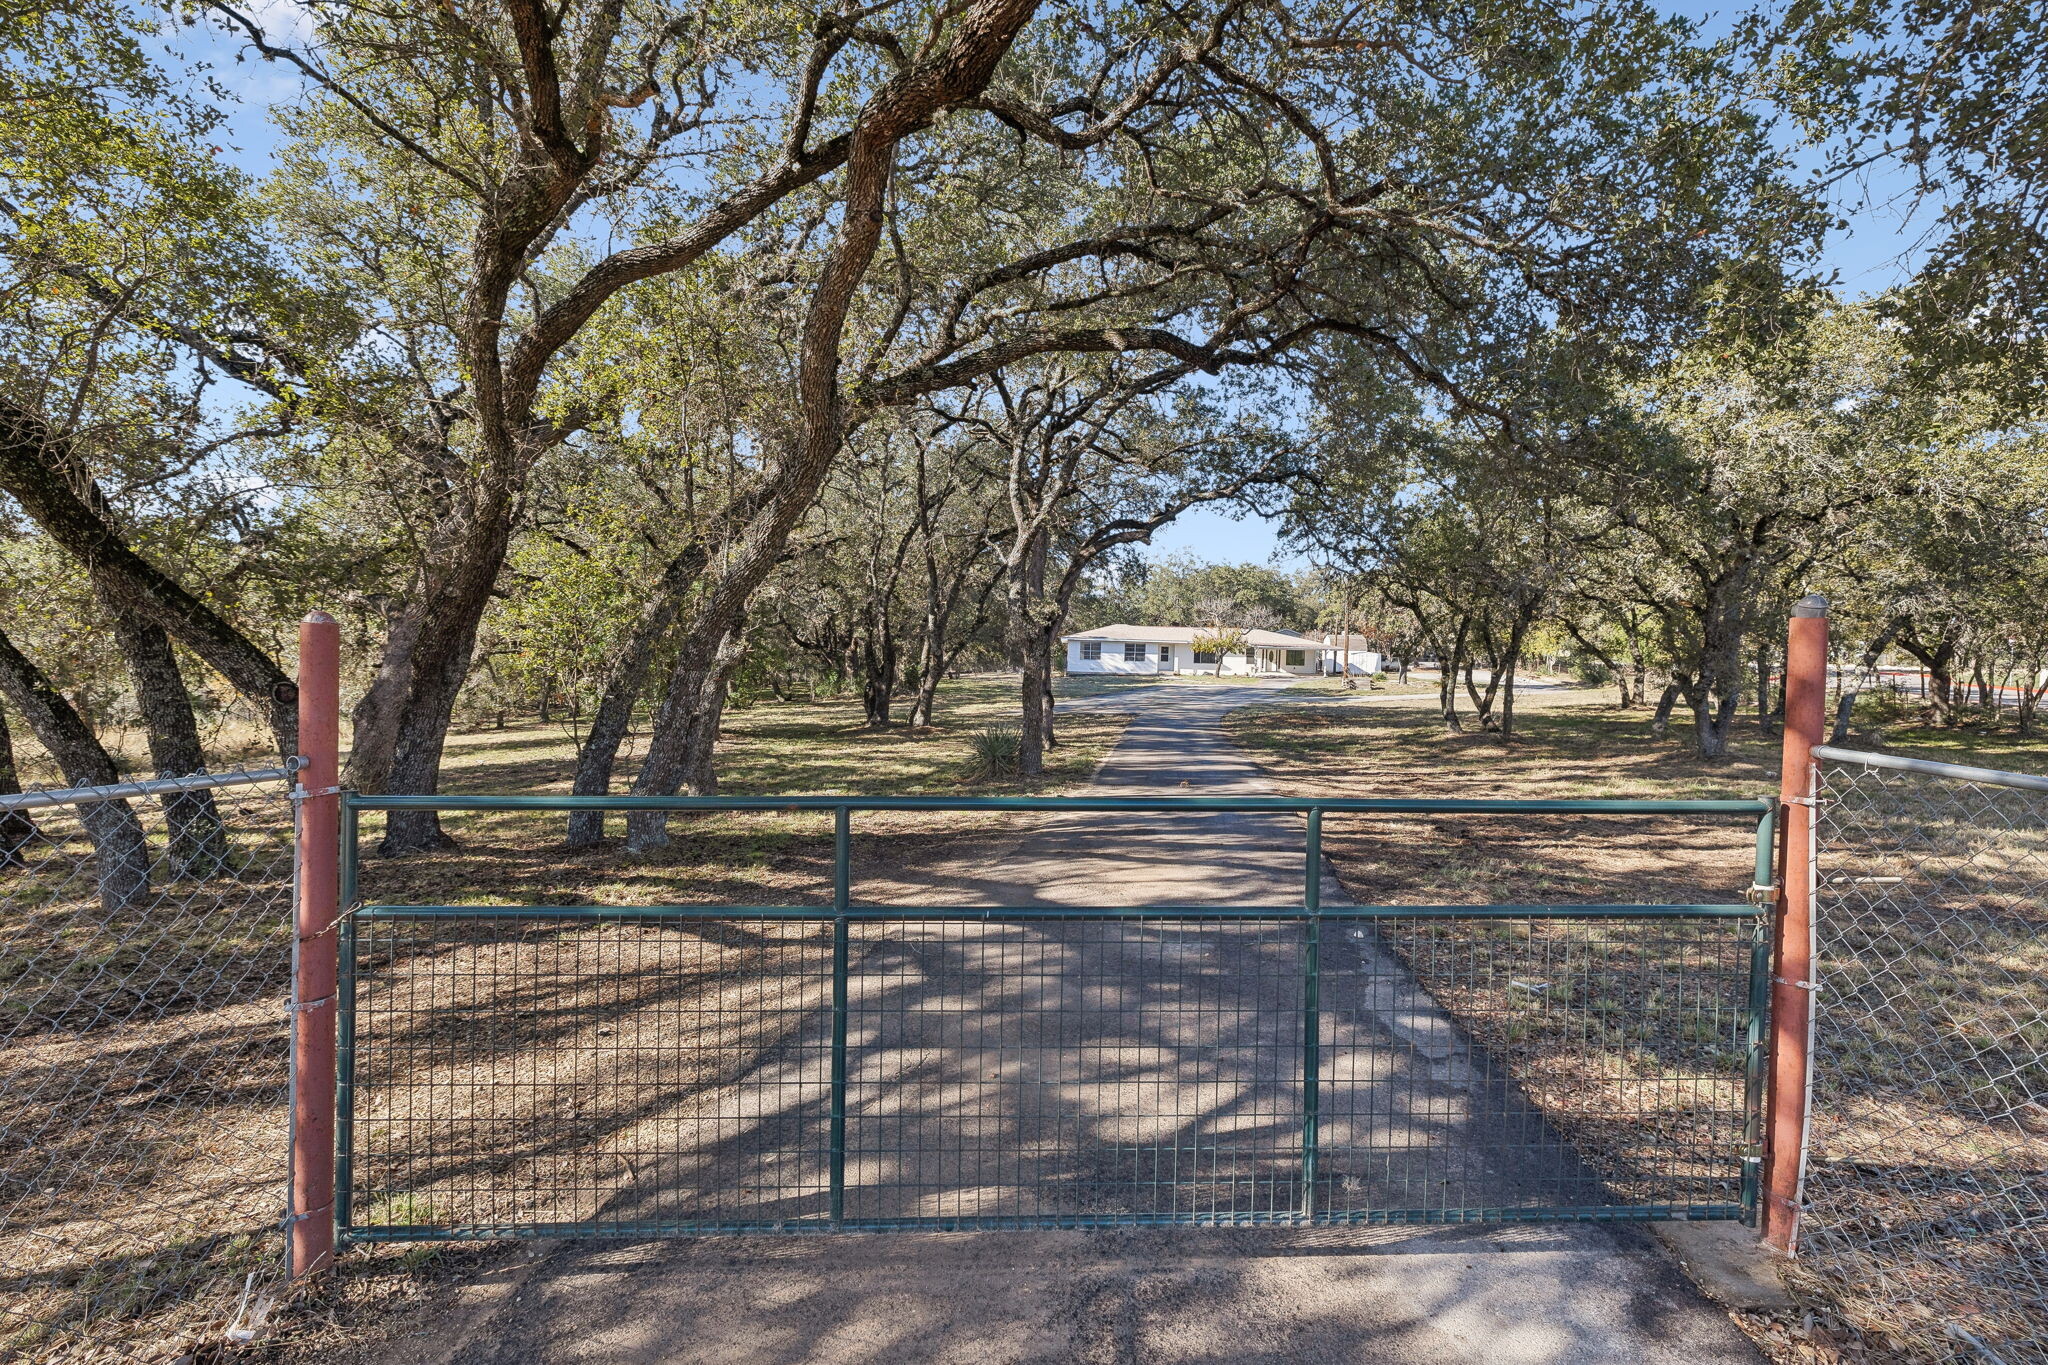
(624,361)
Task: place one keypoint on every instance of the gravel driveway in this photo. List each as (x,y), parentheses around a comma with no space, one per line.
(999,1070)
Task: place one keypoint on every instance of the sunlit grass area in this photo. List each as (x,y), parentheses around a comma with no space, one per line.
(802,748)
(818,748)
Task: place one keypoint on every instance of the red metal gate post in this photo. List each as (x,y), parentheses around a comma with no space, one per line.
(1806,683)
(316,961)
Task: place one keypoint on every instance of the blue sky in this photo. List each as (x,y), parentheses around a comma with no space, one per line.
(1874,251)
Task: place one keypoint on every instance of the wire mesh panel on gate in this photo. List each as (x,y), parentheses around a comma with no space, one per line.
(145,957)
(606,1071)
(1928,1169)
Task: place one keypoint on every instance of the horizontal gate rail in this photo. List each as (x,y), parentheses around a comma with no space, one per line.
(1296,804)
(1150,1065)
(999,914)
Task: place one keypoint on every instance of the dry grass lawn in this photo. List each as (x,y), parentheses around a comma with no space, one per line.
(1931,1144)
(142,1132)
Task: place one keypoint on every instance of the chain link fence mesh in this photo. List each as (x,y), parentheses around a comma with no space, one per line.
(1927,1180)
(145,961)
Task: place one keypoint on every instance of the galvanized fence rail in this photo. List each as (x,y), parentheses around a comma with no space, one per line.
(1927,1165)
(536,1070)
(145,958)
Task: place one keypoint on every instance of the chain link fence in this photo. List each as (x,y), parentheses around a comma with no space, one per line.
(1926,1236)
(145,962)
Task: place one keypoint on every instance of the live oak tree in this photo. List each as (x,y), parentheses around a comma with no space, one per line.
(506,242)
(1095,457)
(120,852)
(130,289)
(1953,101)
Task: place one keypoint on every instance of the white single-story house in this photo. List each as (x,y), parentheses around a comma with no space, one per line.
(1171,649)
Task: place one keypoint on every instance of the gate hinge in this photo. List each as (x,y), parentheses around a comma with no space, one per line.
(1761,895)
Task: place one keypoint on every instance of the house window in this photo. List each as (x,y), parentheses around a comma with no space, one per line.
(1091,649)
(1205,656)
(1134,654)
(1296,658)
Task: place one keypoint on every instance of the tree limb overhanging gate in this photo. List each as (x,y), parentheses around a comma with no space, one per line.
(650,1070)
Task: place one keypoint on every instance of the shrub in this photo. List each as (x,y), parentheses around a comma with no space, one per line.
(995,753)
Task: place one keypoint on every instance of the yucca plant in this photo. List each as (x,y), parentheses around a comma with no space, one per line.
(995,753)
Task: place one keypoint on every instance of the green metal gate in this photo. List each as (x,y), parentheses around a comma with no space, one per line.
(641,1071)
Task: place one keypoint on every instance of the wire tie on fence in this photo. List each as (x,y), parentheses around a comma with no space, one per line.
(301,794)
(1815,801)
(1797,985)
(331,925)
(300,1007)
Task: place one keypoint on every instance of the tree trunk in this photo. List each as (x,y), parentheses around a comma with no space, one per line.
(683,745)
(2032,688)
(16,827)
(1764,692)
(1029,637)
(1482,703)
(1046,699)
(929,675)
(878,664)
(931,647)
(680,750)
(32,467)
(198,842)
(1712,718)
(623,685)
(1344,658)
(456,595)
(1510,663)
(120,852)
(1031,737)
(1660,719)
(1866,674)
(1447,679)
(1938,659)
(373,723)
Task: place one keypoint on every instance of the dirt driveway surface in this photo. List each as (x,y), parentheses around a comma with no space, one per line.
(951,1116)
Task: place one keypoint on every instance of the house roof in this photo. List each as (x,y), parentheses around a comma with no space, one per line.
(1185,635)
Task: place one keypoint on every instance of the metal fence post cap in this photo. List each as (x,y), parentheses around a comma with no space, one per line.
(317,618)
(1813,604)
